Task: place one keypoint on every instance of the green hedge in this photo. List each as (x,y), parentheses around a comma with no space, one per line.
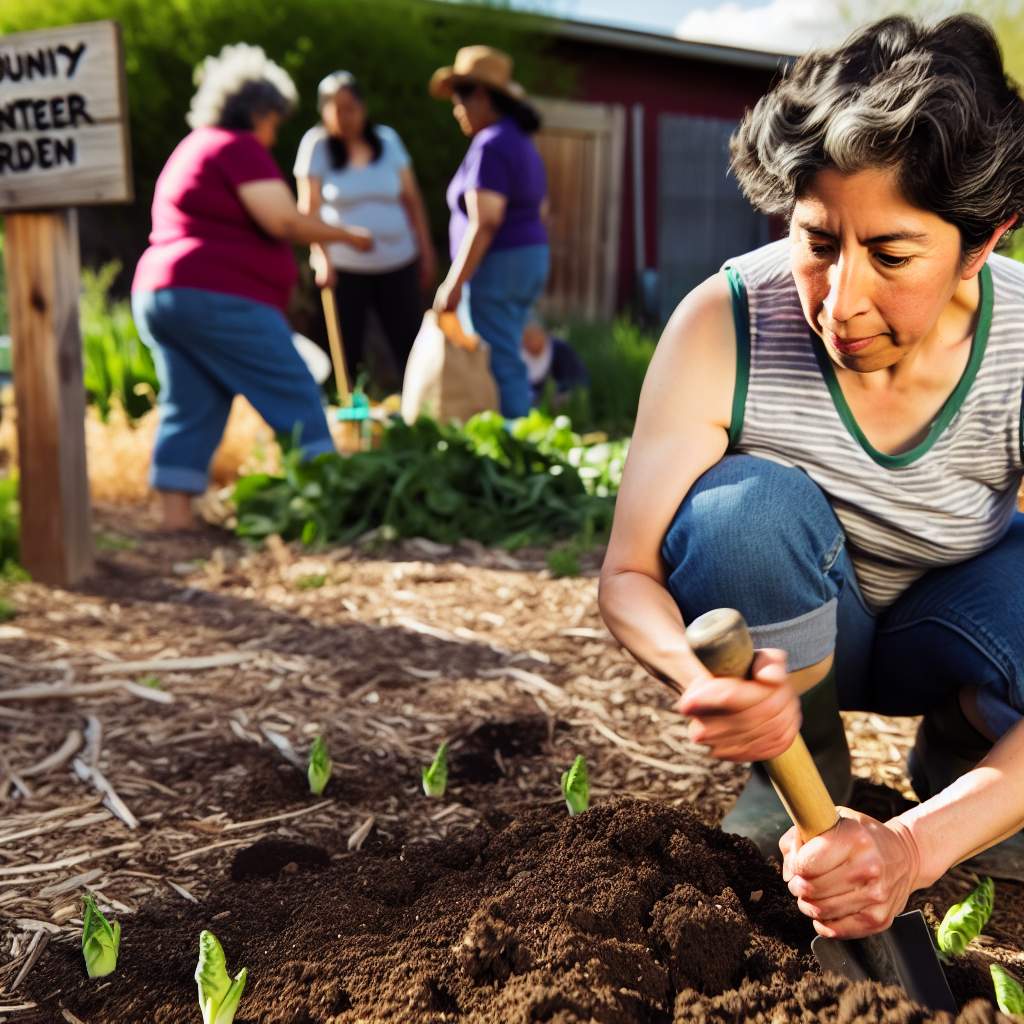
(392,46)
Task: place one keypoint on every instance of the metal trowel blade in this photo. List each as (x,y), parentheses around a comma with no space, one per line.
(904,955)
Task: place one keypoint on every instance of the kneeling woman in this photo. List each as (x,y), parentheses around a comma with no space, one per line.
(829,440)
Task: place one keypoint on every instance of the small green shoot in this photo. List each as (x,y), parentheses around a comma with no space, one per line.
(314,581)
(965,921)
(576,787)
(1009,991)
(101,940)
(152,682)
(218,994)
(435,777)
(319,770)
(7,610)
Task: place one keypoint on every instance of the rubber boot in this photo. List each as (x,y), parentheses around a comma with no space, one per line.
(947,746)
(758,814)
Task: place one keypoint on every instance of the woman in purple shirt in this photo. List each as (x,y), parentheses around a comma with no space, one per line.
(499,245)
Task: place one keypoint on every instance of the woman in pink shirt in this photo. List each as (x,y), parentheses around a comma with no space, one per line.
(209,293)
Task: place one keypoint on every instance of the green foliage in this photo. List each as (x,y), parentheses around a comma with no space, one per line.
(1009,992)
(576,787)
(314,581)
(435,775)
(616,357)
(426,480)
(101,940)
(118,367)
(9,524)
(319,771)
(965,921)
(219,995)
(4,321)
(392,46)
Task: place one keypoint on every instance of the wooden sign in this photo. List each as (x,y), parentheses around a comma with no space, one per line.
(63,118)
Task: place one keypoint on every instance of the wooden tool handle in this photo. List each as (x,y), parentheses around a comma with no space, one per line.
(337,347)
(721,640)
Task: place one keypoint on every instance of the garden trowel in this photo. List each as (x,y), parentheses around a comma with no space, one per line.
(904,954)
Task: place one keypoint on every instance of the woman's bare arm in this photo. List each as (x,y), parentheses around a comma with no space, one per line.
(681,431)
(271,205)
(309,203)
(416,211)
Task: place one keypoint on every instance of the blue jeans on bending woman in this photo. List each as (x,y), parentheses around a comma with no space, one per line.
(209,347)
(500,294)
(762,537)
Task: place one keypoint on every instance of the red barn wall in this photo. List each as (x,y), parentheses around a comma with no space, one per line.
(663,84)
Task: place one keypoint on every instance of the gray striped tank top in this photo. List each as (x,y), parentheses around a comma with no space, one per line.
(946,500)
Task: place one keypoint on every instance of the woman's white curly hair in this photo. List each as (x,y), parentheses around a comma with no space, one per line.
(239,82)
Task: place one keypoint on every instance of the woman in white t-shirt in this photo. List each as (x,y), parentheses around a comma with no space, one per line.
(352,171)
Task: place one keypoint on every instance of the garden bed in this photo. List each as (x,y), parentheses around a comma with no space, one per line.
(488,905)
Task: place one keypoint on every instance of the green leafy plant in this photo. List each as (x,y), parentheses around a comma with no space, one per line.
(319,770)
(219,994)
(965,921)
(438,482)
(435,775)
(101,940)
(576,786)
(153,682)
(1009,991)
(314,581)
(10,528)
(117,366)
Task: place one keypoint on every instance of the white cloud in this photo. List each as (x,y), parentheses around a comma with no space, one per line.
(780,26)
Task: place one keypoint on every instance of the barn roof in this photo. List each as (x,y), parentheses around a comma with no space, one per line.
(653,42)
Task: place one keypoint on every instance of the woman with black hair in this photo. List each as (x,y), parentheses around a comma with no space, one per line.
(829,440)
(499,245)
(348,167)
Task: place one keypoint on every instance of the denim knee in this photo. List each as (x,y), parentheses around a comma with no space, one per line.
(761,537)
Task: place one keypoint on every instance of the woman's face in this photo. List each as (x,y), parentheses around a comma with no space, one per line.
(472,108)
(345,115)
(876,275)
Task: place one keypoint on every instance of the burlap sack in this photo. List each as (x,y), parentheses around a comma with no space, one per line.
(448,375)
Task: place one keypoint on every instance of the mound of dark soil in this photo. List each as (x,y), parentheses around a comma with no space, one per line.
(633,913)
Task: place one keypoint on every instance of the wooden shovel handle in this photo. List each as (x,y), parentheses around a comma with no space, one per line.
(341,381)
(721,640)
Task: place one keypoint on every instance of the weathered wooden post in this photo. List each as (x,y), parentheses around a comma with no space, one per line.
(63,143)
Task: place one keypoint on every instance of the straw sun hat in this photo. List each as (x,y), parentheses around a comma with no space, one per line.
(482,64)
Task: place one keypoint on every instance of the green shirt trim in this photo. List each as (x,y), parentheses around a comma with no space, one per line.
(741,321)
(948,410)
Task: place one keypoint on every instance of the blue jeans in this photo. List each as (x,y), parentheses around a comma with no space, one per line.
(506,284)
(761,537)
(209,347)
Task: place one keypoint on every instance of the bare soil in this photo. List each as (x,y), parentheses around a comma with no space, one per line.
(373,903)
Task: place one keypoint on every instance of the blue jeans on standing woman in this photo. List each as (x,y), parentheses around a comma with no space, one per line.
(500,295)
(209,347)
(761,537)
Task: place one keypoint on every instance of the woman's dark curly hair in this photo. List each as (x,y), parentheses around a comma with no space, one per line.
(933,103)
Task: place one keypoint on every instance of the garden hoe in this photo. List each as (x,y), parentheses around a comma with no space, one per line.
(353,406)
(903,955)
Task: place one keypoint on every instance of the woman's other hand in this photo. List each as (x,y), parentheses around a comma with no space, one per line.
(854,879)
(448,297)
(325,276)
(744,719)
(360,239)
